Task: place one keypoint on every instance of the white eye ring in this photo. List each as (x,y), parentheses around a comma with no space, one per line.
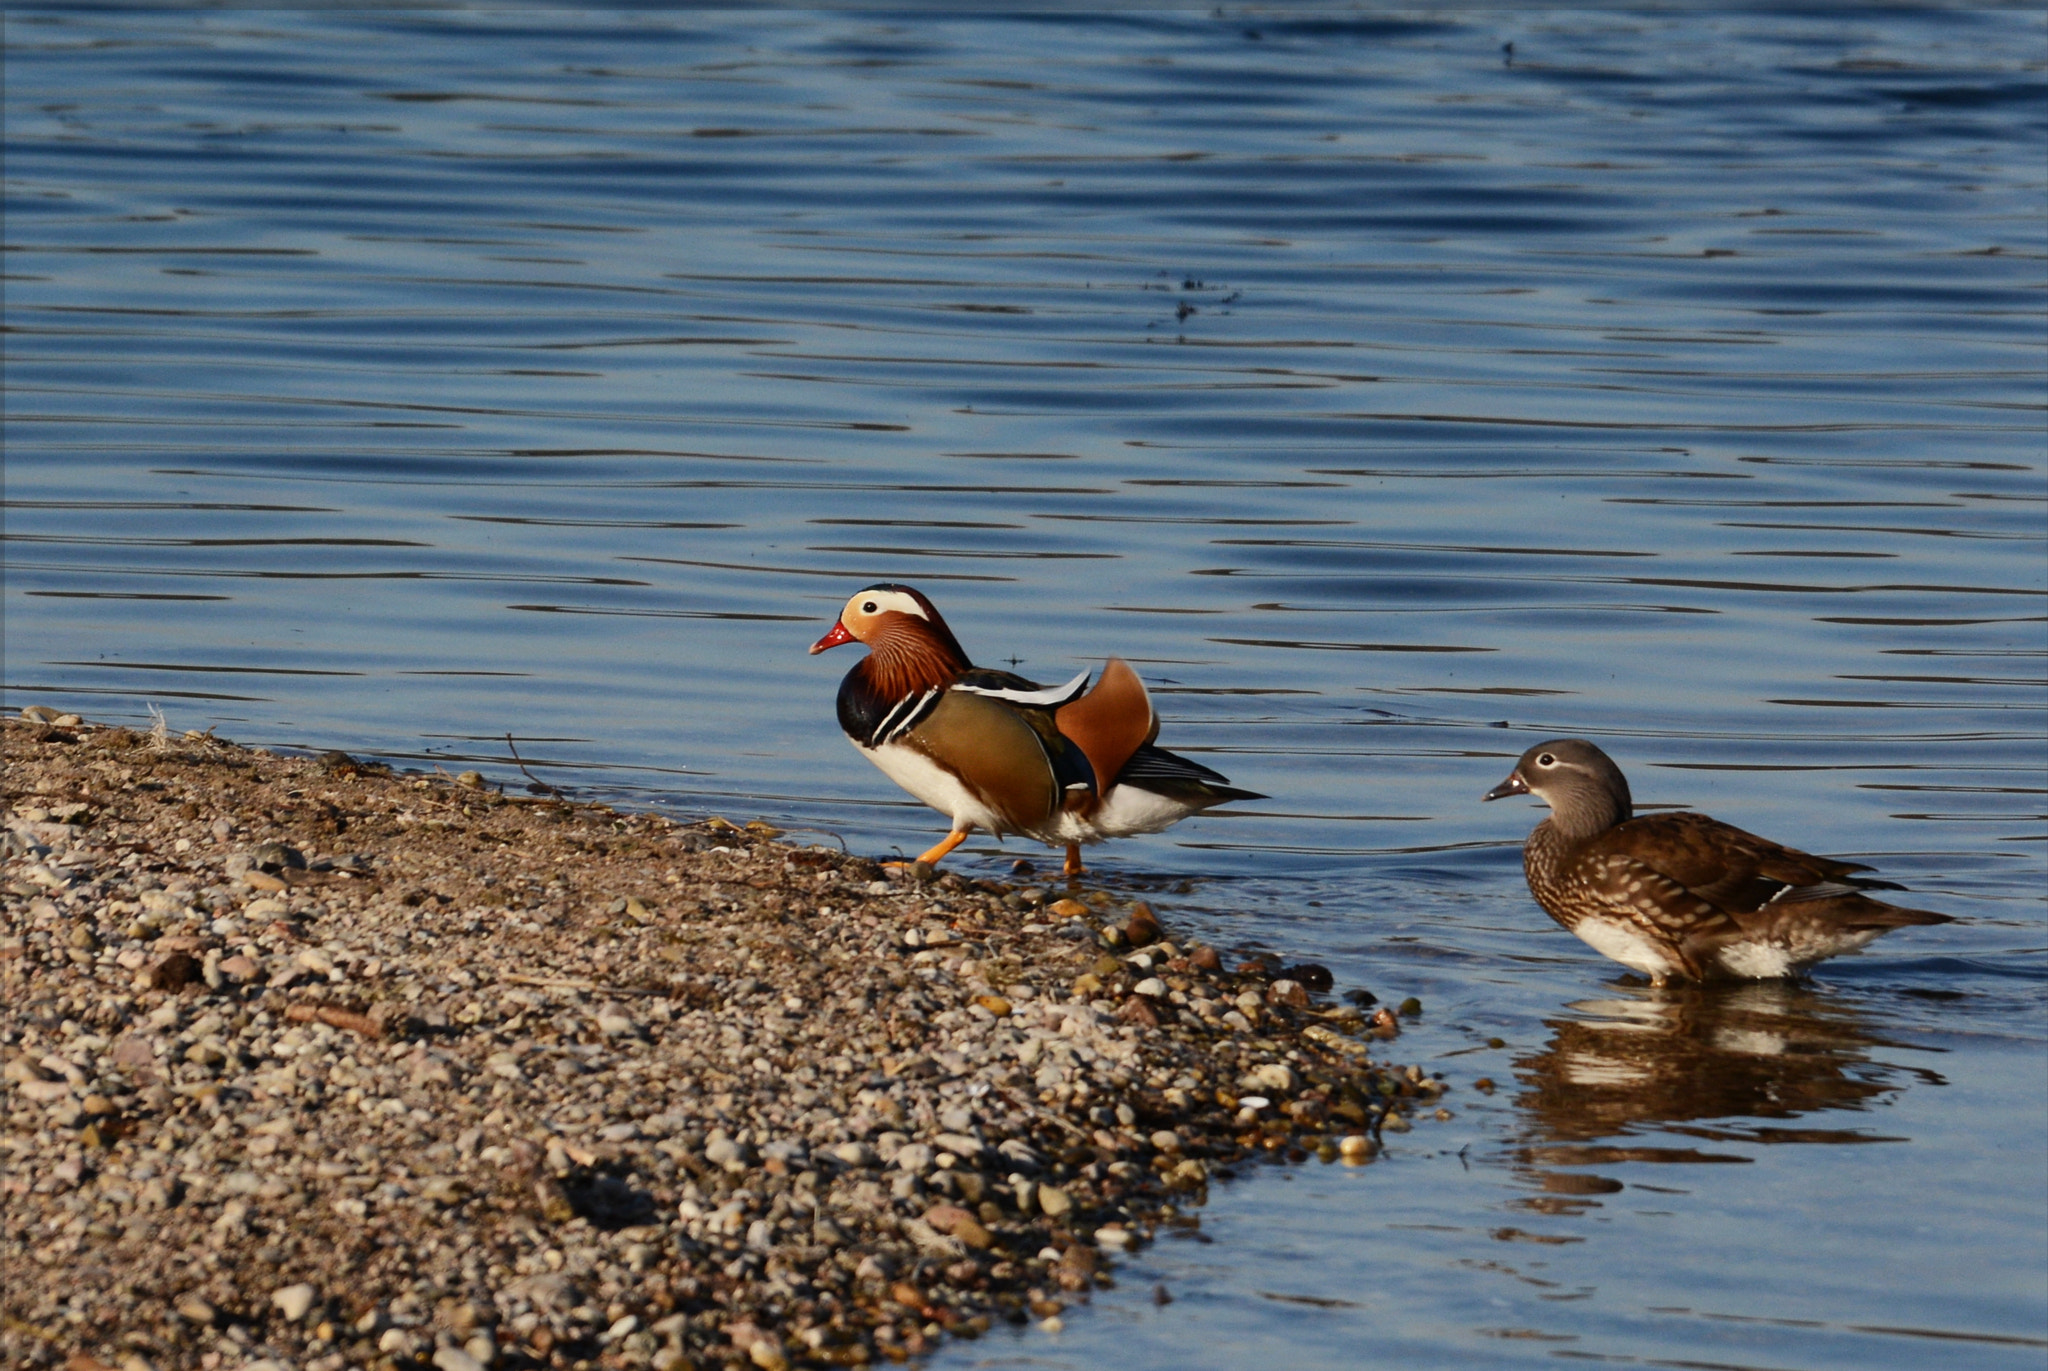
(1546,760)
(869,607)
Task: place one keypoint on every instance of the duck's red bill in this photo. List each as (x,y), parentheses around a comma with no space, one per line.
(837,636)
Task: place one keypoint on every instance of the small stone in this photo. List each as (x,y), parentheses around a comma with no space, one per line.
(170,971)
(957,1222)
(1053,1202)
(1151,986)
(1410,1007)
(261,880)
(1166,1140)
(959,1144)
(1290,993)
(278,857)
(1313,976)
(1394,1123)
(915,1158)
(554,1202)
(456,1359)
(994,1004)
(1356,1148)
(293,1301)
(1138,1011)
(1142,928)
(470,780)
(1067,909)
(855,1153)
(194,1309)
(1205,959)
(1274,1076)
(442,1190)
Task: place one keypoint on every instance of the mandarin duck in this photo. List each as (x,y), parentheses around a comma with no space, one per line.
(1677,894)
(993,751)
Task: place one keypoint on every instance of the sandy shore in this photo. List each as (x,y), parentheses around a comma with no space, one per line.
(312,1065)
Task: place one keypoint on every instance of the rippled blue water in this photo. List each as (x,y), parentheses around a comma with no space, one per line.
(399,380)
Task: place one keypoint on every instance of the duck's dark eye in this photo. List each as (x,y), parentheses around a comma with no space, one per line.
(1546,760)
(868,607)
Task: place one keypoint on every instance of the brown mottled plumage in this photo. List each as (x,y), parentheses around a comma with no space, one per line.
(1680,894)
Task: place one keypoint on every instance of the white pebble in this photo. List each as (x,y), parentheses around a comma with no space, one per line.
(293,1300)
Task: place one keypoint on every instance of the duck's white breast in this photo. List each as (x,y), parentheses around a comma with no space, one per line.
(933,784)
(1625,943)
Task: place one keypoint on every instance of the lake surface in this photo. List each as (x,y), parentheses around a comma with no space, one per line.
(398,381)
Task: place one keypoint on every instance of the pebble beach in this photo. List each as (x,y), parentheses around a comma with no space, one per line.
(313,1064)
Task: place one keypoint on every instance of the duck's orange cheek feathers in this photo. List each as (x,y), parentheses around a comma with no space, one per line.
(838,635)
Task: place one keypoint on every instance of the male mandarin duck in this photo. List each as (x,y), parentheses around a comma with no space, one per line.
(993,751)
(1677,894)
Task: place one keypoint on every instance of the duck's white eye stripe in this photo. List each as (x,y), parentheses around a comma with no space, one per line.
(890,599)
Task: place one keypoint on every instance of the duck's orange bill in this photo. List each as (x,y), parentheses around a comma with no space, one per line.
(837,636)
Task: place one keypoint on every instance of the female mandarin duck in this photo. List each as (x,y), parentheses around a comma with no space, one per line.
(996,752)
(1678,893)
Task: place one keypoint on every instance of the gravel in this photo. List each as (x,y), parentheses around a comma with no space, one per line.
(313,1065)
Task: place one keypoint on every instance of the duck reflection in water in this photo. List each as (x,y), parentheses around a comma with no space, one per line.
(1707,1063)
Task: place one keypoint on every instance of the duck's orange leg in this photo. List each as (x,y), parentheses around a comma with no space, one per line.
(1074,867)
(931,858)
(951,841)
